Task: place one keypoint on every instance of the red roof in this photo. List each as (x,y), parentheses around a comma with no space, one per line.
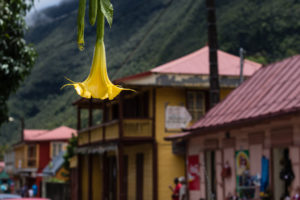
(197,63)
(60,133)
(30,134)
(2,165)
(272,90)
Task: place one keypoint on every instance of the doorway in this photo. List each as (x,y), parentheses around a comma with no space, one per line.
(281,167)
(112,178)
(210,173)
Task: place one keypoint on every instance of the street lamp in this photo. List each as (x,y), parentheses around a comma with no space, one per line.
(11,119)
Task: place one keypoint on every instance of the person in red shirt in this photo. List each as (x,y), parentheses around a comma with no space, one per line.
(175,191)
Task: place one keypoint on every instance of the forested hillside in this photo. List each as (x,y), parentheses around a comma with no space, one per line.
(144,34)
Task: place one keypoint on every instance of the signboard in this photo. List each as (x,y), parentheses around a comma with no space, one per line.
(177,117)
(193,172)
(242,162)
(243,177)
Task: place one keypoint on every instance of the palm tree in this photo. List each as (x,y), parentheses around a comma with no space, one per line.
(214,91)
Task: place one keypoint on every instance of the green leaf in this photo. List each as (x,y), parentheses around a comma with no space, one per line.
(107,10)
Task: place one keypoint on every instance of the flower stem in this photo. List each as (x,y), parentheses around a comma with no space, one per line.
(100,25)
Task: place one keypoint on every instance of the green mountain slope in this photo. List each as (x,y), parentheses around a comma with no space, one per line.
(144,34)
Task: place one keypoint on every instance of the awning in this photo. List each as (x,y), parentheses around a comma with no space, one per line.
(54,165)
(3,175)
(99,149)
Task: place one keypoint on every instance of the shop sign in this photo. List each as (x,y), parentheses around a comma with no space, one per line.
(242,162)
(193,172)
(243,178)
(177,117)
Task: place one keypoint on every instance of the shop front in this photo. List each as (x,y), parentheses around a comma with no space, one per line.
(248,145)
(249,162)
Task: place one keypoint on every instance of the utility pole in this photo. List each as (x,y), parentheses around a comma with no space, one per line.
(214,91)
(242,65)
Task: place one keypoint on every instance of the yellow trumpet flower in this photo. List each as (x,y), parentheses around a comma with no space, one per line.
(97,85)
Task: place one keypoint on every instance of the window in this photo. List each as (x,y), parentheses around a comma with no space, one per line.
(31,162)
(137,106)
(196,104)
(57,147)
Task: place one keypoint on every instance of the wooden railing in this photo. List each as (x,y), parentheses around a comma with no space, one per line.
(137,127)
(132,128)
(97,134)
(83,137)
(112,130)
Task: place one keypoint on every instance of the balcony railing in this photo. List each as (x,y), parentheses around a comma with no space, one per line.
(132,129)
(137,127)
(112,130)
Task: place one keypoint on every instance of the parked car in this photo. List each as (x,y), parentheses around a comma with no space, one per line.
(26,198)
(9,196)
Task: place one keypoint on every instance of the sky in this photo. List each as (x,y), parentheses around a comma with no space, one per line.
(40,4)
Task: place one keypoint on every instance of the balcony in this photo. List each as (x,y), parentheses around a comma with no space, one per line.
(137,128)
(127,129)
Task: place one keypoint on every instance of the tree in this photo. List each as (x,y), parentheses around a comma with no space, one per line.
(214,90)
(70,152)
(16,56)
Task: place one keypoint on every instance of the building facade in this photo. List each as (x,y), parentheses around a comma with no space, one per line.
(249,144)
(125,156)
(35,151)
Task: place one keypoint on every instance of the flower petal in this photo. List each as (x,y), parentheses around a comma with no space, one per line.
(97,84)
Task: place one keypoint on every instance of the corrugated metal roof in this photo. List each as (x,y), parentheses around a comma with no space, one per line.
(30,134)
(60,133)
(273,89)
(197,63)
(54,165)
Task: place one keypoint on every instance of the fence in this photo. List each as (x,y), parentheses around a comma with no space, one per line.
(58,191)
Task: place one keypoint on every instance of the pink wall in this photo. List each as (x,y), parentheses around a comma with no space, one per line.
(229,183)
(256,153)
(196,146)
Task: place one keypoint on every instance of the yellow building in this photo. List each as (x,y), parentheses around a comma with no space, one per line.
(125,156)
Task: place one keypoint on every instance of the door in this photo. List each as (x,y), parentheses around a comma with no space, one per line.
(210,175)
(278,184)
(139,176)
(112,178)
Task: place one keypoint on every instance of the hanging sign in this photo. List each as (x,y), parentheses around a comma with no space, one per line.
(242,162)
(242,171)
(177,117)
(193,172)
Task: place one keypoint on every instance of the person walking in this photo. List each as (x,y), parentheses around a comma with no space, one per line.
(182,191)
(176,189)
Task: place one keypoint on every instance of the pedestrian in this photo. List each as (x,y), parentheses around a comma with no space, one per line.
(182,191)
(176,189)
(24,191)
(30,192)
(297,194)
(35,189)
